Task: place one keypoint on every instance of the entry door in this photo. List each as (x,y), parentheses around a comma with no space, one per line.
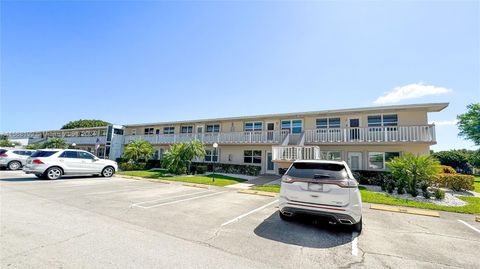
(270,129)
(355,160)
(200,133)
(354,124)
(270,169)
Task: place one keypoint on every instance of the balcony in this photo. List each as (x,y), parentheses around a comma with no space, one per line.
(293,153)
(84,140)
(386,134)
(258,137)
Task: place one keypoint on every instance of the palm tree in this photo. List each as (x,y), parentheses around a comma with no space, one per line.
(138,150)
(194,149)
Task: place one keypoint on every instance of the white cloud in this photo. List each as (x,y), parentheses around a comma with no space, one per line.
(410,91)
(444,122)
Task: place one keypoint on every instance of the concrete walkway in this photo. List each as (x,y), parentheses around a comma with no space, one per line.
(264,179)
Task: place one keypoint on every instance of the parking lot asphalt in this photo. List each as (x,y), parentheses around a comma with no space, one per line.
(92,222)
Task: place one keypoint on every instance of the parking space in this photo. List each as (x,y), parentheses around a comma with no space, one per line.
(117,222)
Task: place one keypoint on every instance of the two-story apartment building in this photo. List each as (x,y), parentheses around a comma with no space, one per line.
(364,137)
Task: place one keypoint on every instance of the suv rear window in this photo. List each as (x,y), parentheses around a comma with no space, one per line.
(318,171)
(2,151)
(43,153)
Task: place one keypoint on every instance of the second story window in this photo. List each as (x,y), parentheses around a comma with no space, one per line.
(134,131)
(213,128)
(382,120)
(186,129)
(169,130)
(148,131)
(253,126)
(328,123)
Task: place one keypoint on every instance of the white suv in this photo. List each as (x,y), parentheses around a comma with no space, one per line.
(322,188)
(54,163)
(14,159)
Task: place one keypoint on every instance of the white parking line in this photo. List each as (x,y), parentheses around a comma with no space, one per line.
(355,244)
(171,197)
(183,200)
(470,226)
(248,213)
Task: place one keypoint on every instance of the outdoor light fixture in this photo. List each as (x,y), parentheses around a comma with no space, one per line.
(215,146)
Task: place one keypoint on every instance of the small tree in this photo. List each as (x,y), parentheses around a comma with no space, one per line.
(8,143)
(138,150)
(469,123)
(55,143)
(410,170)
(179,157)
(457,159)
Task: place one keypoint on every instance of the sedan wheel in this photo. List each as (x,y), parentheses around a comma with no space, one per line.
(14,165)
(108,171)
(54,173)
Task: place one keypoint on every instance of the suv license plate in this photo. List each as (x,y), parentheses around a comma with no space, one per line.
(315,187)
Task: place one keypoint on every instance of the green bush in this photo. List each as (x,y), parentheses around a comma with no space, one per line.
(131,165)
(426,194)
(448,169)
(411,170)
(367,177)
(250,170)
(456,182)
(439,194)
(201,169)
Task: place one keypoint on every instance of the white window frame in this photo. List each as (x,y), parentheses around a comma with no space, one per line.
(150,131)
(213,124)
(186,126)
(214,152)
(253,156)
(134,131)
(328,122)
(169,128)
(384,161)
(327,152)
(381,120)
(253,126)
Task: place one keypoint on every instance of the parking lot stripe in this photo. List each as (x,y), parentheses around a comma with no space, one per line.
(248,213)
(166,198)
(355,244)
(470,226)
(183,200)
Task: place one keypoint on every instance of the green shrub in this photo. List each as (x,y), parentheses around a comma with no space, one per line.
(411,170)
(448,169)
(367,177)
(439,194)
(250,170)
(201,169)
(456,182)
(426,194)
(131,165)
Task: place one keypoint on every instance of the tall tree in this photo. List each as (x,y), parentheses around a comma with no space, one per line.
(85,124)
(469,123)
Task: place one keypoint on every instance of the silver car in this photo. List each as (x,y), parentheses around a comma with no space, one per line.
(54,163)
(14,159)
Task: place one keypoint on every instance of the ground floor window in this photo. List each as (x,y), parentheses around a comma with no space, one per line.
(211,155)
(331,155)
(252,156)
(377,160)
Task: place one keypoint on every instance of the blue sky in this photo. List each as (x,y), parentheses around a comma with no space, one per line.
(149,61)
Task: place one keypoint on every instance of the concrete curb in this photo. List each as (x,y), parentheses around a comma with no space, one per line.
(413,211)
(261,193)
(196,185)
(143,178)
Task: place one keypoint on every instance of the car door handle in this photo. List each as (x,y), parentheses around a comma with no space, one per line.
(60,161)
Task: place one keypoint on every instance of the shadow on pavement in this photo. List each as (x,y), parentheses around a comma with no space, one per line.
(34,178)
(304,231)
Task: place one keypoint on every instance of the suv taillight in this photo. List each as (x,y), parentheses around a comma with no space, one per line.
(287,179)
(3,155)
(37,161)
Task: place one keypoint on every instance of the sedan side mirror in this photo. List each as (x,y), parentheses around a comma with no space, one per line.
(96,159)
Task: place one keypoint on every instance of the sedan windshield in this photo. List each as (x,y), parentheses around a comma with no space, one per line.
(318,171)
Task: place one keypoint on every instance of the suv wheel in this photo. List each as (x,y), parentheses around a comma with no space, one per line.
(108,171)
(357,227)
(14,165)
(285,217)
(54,173)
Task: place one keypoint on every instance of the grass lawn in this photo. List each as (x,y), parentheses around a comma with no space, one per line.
(269,188)
(208,180)
(473,206)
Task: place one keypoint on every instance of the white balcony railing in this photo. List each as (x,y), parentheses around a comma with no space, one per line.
(259,137)
(84,140)
(425,133)
(292,153)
